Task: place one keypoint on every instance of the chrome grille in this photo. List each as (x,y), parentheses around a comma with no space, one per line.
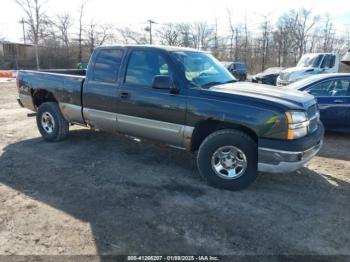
(312,113)
(313,125)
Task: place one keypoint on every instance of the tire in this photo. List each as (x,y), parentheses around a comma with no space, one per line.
(59,127)
(233,140)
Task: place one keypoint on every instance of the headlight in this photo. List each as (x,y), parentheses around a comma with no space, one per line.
(296,117)
(298,124)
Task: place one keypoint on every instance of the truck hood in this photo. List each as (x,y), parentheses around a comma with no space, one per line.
(287,99)
(295,73)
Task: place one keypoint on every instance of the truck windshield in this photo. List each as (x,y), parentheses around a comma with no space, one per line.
(202,70)
(311,60)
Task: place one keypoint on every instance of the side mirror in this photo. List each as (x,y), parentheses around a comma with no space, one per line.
(164,82)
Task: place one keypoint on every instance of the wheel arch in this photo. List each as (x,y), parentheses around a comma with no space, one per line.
(41,96)
(206,127)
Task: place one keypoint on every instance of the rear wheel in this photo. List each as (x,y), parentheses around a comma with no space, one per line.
(228,159)
(51,123)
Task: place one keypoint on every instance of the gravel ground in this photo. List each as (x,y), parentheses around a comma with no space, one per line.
(97,193)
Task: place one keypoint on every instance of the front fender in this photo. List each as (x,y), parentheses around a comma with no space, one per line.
(265,121)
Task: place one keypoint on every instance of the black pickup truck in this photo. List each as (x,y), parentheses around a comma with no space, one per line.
(184,98)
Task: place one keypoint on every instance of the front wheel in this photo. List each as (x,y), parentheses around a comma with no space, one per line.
(228,159)
(51,123)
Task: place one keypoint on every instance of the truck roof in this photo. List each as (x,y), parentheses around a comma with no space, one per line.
(159,47)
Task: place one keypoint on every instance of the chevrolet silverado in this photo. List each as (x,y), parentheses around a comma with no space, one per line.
(184,98)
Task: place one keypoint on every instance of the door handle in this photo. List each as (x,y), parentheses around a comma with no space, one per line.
(124,95)
(339,101)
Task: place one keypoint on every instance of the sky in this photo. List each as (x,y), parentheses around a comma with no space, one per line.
(135,13)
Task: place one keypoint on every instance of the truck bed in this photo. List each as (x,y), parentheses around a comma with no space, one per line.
(65,86)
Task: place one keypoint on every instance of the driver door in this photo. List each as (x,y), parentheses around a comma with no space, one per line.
(331,98)
(144,111)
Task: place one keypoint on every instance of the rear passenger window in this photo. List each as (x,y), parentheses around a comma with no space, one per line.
(331,88)
(107,65)
(341,88)
(143,66)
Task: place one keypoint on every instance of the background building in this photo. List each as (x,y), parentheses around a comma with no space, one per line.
(16,55)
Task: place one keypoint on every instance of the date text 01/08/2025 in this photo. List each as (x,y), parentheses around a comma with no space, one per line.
(172,258)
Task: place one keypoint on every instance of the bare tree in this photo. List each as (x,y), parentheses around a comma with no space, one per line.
(215,48)
(185,30)
(63,24)
(97,35)
(285,35)
(314,40)
(304,23)
(36,20)
(246,40)
(130,36)
(202,34)
(266,31)
(328,35)
(232,32)
(282,43)
(238,37)
(169,34)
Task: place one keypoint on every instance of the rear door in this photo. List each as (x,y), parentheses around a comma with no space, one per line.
(333,101)
(147,112)
(100,95)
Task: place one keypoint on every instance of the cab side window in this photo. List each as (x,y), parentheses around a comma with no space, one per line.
(107,65)
(143,66)
(328,61)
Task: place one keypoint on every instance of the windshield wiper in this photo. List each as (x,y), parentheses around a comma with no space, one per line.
(213,83)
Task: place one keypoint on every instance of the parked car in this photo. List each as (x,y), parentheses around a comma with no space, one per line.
(238,70)
(181,97)
(308,65)
(333,95)
(268,77)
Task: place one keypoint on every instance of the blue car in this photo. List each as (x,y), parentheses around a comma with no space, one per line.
(238,70)
(333,95)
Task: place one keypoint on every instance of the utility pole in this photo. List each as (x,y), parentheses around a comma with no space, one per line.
(24,30)
(149,29)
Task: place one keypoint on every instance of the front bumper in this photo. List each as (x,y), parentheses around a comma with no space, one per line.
(288,156)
